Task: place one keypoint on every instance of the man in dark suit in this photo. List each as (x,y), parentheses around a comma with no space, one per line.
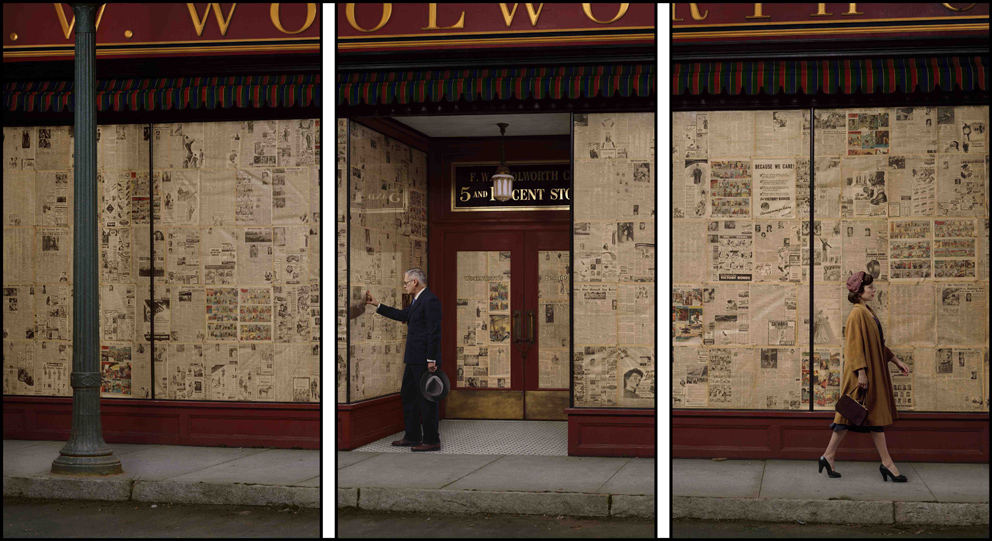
(423,353)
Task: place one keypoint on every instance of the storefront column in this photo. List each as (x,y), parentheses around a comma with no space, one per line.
(86,453)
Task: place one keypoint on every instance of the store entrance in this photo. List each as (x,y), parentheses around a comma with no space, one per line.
(506,307)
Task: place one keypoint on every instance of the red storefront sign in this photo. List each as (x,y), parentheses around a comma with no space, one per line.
(813,21)
(366,27)
(44,31)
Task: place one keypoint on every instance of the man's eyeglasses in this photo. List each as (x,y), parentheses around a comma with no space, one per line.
(408,281)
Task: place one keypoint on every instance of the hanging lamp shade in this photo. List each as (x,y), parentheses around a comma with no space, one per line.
(502,179)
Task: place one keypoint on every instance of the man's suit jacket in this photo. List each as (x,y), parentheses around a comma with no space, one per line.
(423,335)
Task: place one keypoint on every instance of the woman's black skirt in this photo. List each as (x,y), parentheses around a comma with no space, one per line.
(854,428)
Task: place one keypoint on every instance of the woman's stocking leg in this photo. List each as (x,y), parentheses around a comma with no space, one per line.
(878,438)
(831,451)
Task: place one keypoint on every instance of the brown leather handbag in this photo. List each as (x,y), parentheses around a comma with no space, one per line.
(854,410)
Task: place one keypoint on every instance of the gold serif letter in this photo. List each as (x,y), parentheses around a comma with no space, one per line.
(67,25)
(587,9)
(952,8)
(222,23)
(693,11)
(432,20)
(274,15)
(821,10)
(757,13)
(508,14)
(349,13)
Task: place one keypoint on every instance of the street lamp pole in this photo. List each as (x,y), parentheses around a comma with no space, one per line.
(86,453)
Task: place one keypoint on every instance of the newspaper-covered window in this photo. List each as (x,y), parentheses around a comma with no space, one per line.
(483,340)
(553,269)
(387,233)
(230,211)
(900,193)
(614,247)
(738,312)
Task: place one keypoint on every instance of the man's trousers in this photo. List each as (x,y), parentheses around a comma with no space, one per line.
(417,408)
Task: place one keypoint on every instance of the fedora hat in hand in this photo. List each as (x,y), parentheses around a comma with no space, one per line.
(434,385)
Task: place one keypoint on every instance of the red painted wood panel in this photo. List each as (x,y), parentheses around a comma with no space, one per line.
(170,422)
(368,421)
(922,437)
(611,432)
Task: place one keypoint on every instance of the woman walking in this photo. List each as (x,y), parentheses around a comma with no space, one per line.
(866,372)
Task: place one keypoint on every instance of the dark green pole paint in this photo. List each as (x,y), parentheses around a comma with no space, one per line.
(86,453)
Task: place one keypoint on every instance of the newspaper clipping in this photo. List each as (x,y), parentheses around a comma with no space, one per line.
(910,249)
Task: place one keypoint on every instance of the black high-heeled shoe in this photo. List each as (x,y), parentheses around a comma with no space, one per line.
(886,473)
(830,471)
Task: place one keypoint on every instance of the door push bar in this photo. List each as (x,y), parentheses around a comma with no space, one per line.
(524,343)
(518,328)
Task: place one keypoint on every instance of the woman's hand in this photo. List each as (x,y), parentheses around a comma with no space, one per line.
(862,379)
(902,367)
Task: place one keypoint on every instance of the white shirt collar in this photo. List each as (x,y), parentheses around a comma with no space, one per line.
(418,294)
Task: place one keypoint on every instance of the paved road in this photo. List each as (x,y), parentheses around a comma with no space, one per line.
(686,529)
(59,518)
(352,524)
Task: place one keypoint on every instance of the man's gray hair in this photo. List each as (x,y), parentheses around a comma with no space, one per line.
(417,274)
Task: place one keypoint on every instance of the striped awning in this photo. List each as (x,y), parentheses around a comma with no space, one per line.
(488,84)
(300,90)
(867,76)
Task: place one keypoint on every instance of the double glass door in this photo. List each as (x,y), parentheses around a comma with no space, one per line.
(509,302)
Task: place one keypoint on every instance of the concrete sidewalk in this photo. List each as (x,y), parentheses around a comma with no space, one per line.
(791,491)
(170,474)
(498,484)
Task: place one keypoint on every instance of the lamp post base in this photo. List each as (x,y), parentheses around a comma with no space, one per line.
(87,465)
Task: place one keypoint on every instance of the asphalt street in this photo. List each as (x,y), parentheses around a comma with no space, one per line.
(682,529)
(363,524)
(59,518)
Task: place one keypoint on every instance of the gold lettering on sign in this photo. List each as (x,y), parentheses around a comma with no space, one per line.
(274,15)
(349,13)
(534,15)
(587,9)
(67,25)
(693,12)
(222,23)
(821,10)
(952,8)
(432,20)
(757,13)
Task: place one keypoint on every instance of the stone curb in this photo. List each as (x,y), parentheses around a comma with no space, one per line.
(347,497)
(224,494)
(632,506)
(830,511)
(470,502)
(944,514)
(68,488)
(106,489)
(769,510)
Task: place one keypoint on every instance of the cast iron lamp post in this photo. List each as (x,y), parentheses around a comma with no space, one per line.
(86,453)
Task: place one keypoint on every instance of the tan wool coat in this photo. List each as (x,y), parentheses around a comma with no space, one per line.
(864,347)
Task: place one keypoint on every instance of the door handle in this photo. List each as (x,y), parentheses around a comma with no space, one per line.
(516,325)
(530,326)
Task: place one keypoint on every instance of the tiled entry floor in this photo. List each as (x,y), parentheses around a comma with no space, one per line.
(470,437)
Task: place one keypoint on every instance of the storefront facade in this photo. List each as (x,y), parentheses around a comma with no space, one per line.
(209,211)
(813,141)
(526,334)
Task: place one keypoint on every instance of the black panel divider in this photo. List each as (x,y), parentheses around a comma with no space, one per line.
(812,247)
(151,260)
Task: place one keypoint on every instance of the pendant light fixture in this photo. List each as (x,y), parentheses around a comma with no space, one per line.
(503,179)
